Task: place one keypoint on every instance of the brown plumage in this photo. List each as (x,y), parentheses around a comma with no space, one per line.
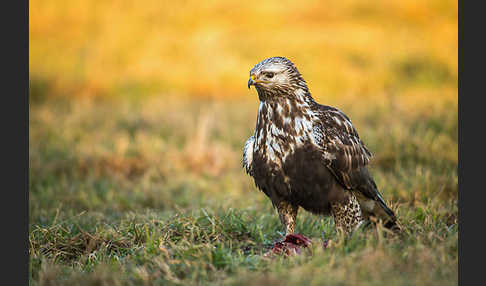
(308,155)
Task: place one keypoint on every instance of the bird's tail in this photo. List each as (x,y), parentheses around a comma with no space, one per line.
(377,208)
(386,214)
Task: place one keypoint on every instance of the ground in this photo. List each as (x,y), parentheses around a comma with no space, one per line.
(149,190)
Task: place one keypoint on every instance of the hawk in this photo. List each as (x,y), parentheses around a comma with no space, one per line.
(304,154)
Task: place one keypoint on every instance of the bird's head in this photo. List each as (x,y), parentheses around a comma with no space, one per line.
(276,77)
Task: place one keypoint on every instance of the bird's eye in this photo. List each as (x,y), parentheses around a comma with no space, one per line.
(270,74)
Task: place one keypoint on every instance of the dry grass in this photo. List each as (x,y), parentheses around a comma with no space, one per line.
(152,192)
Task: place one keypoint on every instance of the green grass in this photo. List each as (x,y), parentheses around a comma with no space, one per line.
(151,191)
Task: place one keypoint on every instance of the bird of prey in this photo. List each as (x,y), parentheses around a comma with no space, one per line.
(304,154)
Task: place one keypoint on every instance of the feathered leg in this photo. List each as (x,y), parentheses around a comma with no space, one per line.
(288,215)
(347,215)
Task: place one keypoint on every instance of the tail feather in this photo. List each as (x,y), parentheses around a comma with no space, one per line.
(385,208)
(391,221)
(376,207)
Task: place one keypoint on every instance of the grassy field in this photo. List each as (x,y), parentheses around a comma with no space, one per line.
(139,114)
(148,191)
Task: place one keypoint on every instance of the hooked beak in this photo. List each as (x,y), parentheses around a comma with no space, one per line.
(251,81)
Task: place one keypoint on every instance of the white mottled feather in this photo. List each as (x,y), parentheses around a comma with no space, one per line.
(248,154)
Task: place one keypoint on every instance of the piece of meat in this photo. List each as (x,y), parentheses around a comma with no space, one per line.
(291,245)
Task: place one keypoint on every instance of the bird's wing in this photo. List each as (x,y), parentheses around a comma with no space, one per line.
(343,151)
(346,156)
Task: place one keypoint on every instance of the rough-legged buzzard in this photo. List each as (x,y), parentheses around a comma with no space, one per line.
(308,155)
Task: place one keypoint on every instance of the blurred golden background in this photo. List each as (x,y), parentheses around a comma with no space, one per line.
(343,48)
